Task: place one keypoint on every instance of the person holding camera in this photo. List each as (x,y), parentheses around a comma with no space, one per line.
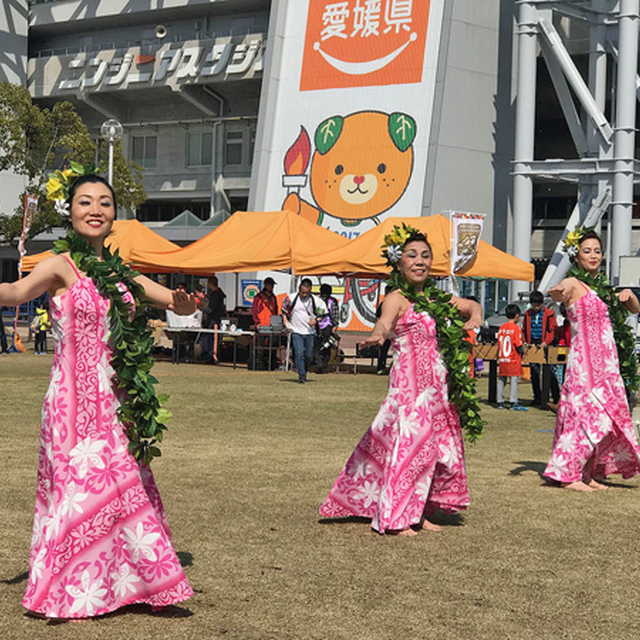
(327,328)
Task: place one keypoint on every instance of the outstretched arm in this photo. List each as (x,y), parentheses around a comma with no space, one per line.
(179,302)
(48,274)
(392,308)
(471,310)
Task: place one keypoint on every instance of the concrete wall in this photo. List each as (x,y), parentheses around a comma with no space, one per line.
(465,149)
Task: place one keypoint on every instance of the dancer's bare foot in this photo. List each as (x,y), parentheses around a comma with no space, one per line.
(595,484)
(425,525)
(403,532)
(578,485)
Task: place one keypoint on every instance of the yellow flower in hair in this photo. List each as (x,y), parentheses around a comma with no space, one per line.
(573,237)
(54,189)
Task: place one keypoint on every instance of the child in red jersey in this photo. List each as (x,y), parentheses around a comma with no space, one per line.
(510,349)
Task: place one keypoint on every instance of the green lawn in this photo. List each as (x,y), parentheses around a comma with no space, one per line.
(249,458)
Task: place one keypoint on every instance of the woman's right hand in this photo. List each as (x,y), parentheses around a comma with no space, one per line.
(563,291)
(373,340)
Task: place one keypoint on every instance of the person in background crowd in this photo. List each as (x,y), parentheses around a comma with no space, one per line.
(540,328)
(265,304)
(40,325)
(3,337)
(383,349)
(214,311)
(263,308)
(300,317)
(510,350)
(327,328)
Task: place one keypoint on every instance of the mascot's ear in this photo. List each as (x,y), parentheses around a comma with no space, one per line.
(327,133)
(402,129)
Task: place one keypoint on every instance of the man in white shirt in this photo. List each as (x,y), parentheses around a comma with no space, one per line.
(300,317)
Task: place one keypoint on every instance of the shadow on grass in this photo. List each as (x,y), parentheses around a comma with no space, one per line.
(529,465)
(186,558)
(170,611)
(439,517)
(21,577)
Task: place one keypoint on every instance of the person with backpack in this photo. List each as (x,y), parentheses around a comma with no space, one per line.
(327,328)
(300,317)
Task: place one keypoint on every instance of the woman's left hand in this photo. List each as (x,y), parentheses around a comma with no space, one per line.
(183,304)
(629,300)
(474,322)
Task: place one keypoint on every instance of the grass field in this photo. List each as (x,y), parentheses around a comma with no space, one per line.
(249,458)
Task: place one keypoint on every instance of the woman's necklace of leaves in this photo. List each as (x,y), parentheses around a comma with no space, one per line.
(453,348)
(131,341)
(622,333)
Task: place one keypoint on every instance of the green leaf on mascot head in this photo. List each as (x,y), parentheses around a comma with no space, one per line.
(327,133)
(402,129)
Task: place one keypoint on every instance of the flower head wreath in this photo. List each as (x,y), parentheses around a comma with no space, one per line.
(573,239)
(60,182)
(394,243)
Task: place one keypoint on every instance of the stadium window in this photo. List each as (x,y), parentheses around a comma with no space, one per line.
(144,151)
(233,147)
(199,149)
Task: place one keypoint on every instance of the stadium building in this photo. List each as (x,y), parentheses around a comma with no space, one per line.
(503,108)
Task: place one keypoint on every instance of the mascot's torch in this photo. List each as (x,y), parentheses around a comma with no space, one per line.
(296,161)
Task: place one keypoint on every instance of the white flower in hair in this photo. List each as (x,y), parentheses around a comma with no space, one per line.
(62,209)
(394,252)
(572,251)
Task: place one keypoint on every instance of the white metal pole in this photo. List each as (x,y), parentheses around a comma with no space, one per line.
(110,173)
(524,136)
(624,137)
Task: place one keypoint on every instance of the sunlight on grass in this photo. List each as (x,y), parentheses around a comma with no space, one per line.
(247,461)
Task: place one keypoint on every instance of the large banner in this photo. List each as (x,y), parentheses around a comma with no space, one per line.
(345,116)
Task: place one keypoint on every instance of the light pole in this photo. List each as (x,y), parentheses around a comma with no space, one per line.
(111,131)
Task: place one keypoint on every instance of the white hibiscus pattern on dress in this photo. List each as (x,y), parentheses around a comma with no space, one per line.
(140,543)
(124,580)
(85,452)
(88,597)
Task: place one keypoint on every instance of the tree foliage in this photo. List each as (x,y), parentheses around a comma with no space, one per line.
(35,142)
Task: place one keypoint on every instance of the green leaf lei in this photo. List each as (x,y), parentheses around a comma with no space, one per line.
(140,411)
(622,333)
(452,346)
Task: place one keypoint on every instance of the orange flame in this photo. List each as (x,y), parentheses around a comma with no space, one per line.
(297,157)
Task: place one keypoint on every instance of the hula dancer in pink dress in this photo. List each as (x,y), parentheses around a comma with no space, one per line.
(594,434)
(410,461)
(100,538)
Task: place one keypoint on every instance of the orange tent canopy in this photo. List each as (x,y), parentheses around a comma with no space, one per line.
(247,241)
(362,257)
(125,235)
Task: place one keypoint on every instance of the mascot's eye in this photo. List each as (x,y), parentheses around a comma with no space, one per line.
(382,167)
(339,169)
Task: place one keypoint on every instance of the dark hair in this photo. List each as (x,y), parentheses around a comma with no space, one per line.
(535,297)
(213,280)
(92,178)
(268,280)
(418,236)
(325,289)
(305,282)
(512,311)
(591,235)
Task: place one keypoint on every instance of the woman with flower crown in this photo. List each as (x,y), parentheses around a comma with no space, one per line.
(594,435)
(100,537)
(410,461)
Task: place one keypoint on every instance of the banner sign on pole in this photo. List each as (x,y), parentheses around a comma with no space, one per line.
(466,229)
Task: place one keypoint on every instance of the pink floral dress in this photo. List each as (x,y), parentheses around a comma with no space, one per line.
(100,536)
(593,417)
(411,459)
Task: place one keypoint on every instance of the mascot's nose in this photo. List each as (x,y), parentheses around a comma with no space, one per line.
(358,179)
